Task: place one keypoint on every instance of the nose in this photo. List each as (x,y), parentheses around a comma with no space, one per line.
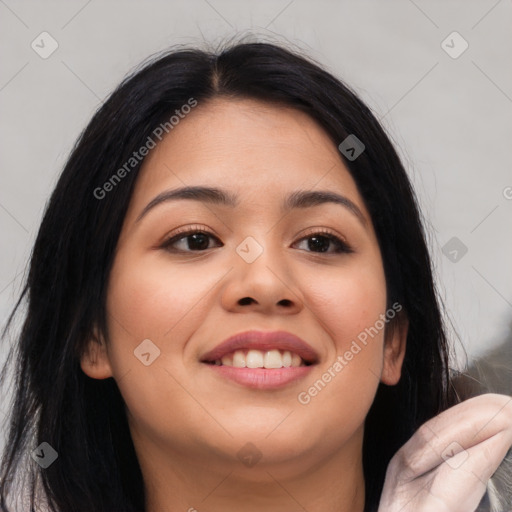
(266,285)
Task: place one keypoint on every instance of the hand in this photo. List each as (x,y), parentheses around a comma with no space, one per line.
(445,465)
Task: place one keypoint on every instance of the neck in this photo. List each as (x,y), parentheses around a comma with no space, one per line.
(178,482)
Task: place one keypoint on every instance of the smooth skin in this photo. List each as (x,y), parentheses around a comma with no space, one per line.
(187,422)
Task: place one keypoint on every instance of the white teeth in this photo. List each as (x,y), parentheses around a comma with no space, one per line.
(254,359)
(227,361)
(239,359)
(273,359)
(261,359)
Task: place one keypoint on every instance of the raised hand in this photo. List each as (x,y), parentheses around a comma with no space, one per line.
(446,464)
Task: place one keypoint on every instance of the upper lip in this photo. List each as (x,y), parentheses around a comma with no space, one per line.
(261,340)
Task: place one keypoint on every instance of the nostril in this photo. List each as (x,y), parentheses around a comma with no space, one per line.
(245,300)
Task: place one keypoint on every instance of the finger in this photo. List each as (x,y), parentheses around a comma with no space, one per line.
(451,433)
(457,485)
(460,482)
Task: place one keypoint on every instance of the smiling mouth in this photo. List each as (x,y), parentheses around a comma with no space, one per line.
(267,359)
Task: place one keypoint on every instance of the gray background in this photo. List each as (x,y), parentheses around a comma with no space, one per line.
(449,117)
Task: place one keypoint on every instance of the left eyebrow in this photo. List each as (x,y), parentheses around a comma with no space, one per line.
(309,198)
(213,195)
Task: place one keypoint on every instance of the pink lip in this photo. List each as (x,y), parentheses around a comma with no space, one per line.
(260,340)
(263,378)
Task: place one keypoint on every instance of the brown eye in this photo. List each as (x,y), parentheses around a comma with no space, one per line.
(321,241)
(189,241)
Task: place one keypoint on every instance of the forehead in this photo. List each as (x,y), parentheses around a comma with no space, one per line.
(259,151)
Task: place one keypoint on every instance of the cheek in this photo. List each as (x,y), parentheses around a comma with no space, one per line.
(153,299)
(158,302)
(350,301)
(163,304)
(348,305)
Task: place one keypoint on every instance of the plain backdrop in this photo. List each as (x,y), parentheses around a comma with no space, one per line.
(448,109)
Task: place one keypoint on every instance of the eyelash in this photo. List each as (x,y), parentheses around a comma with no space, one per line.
(341,245)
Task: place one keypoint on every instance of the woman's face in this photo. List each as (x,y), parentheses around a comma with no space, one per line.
(260,267)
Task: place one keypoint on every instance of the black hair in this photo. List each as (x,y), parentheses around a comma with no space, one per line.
(83,419)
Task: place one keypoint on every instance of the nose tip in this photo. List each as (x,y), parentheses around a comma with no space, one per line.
(262,280)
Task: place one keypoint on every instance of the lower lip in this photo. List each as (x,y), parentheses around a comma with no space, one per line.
(262,378)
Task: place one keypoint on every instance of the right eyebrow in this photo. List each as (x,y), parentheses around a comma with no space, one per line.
(204,194)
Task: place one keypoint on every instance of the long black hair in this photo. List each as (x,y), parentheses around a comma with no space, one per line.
(83,419)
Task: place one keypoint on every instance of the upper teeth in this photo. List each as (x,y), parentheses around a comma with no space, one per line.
(261,359)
